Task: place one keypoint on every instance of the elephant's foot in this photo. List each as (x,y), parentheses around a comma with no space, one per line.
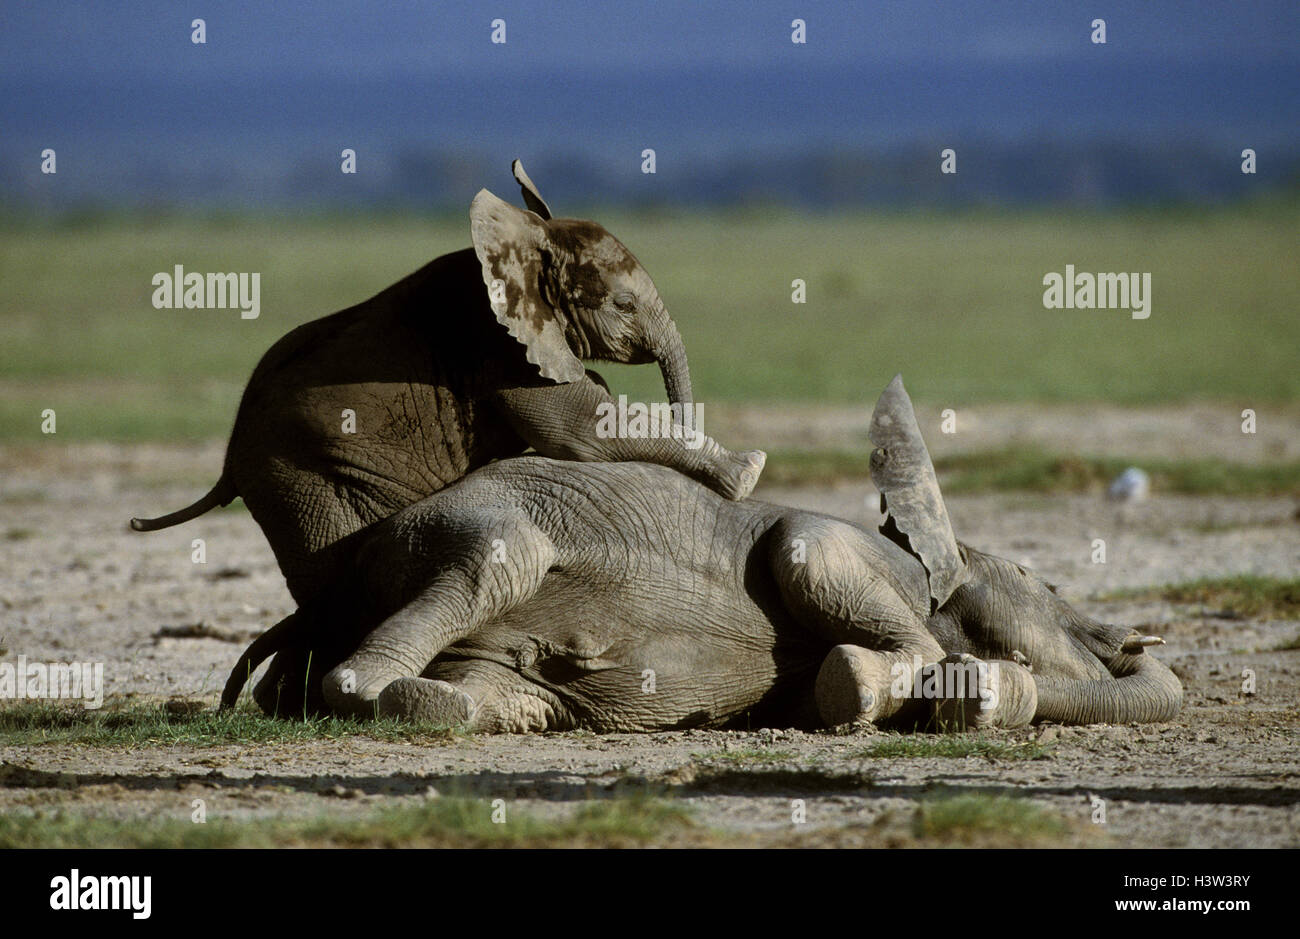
(856,685)
(476,695)
(739,473)
(503,701)
(427,700)
(968,693)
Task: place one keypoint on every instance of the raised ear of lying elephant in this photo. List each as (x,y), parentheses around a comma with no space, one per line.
(476,356)
(916,518)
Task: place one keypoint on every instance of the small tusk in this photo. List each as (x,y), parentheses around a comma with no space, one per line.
(1135,644)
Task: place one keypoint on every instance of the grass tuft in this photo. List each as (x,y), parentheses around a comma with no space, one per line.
(437,823)
(978,817)
(1241,595)
(32,723)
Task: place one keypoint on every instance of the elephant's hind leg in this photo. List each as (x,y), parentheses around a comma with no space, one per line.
(479,566)
(835,582)
(480,696)
(966,692)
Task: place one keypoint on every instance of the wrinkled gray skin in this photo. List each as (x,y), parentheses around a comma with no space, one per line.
(439,387)
(537,595)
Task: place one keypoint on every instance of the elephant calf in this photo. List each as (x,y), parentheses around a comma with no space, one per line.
(540,595)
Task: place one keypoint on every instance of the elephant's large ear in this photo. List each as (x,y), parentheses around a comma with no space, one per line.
(532,198)
(509,243)
(909,493)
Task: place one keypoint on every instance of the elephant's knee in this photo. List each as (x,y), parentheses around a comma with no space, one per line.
(817,559)
(351,688)
(505,559)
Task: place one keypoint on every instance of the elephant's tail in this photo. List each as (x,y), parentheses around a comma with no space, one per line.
(263,647)
(223,493)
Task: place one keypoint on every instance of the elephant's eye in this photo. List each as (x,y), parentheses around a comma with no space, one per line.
(625,301)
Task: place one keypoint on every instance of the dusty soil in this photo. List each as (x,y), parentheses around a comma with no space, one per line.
(76,585)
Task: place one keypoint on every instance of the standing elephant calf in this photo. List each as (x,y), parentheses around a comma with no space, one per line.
(538,595)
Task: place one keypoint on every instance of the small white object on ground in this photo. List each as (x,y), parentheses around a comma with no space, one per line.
(1132,485)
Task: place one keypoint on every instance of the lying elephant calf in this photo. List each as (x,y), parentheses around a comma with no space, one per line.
(541,595)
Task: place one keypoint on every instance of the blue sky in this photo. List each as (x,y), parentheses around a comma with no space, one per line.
(92,39)
(139,111)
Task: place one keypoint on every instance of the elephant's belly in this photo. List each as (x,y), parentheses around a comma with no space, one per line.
(640,656)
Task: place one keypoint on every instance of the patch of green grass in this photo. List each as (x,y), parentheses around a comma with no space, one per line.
(1289,646)
(954,746)
(31,723)
(1242,595)
(953,300)
(18,534)
(1032,470)
(447,822)
(975,817)
(746,757)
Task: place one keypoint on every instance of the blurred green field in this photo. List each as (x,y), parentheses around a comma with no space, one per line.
(954,301)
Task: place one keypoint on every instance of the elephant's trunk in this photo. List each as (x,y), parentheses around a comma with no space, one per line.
(670,353)
(1142,690)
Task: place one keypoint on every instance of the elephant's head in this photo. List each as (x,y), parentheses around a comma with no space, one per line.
(1085,671)
(569,290)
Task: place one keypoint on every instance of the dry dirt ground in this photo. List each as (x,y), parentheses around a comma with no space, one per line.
(76,585)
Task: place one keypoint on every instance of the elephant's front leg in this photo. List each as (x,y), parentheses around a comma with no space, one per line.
(834,582)
(564,422)
(491,565)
